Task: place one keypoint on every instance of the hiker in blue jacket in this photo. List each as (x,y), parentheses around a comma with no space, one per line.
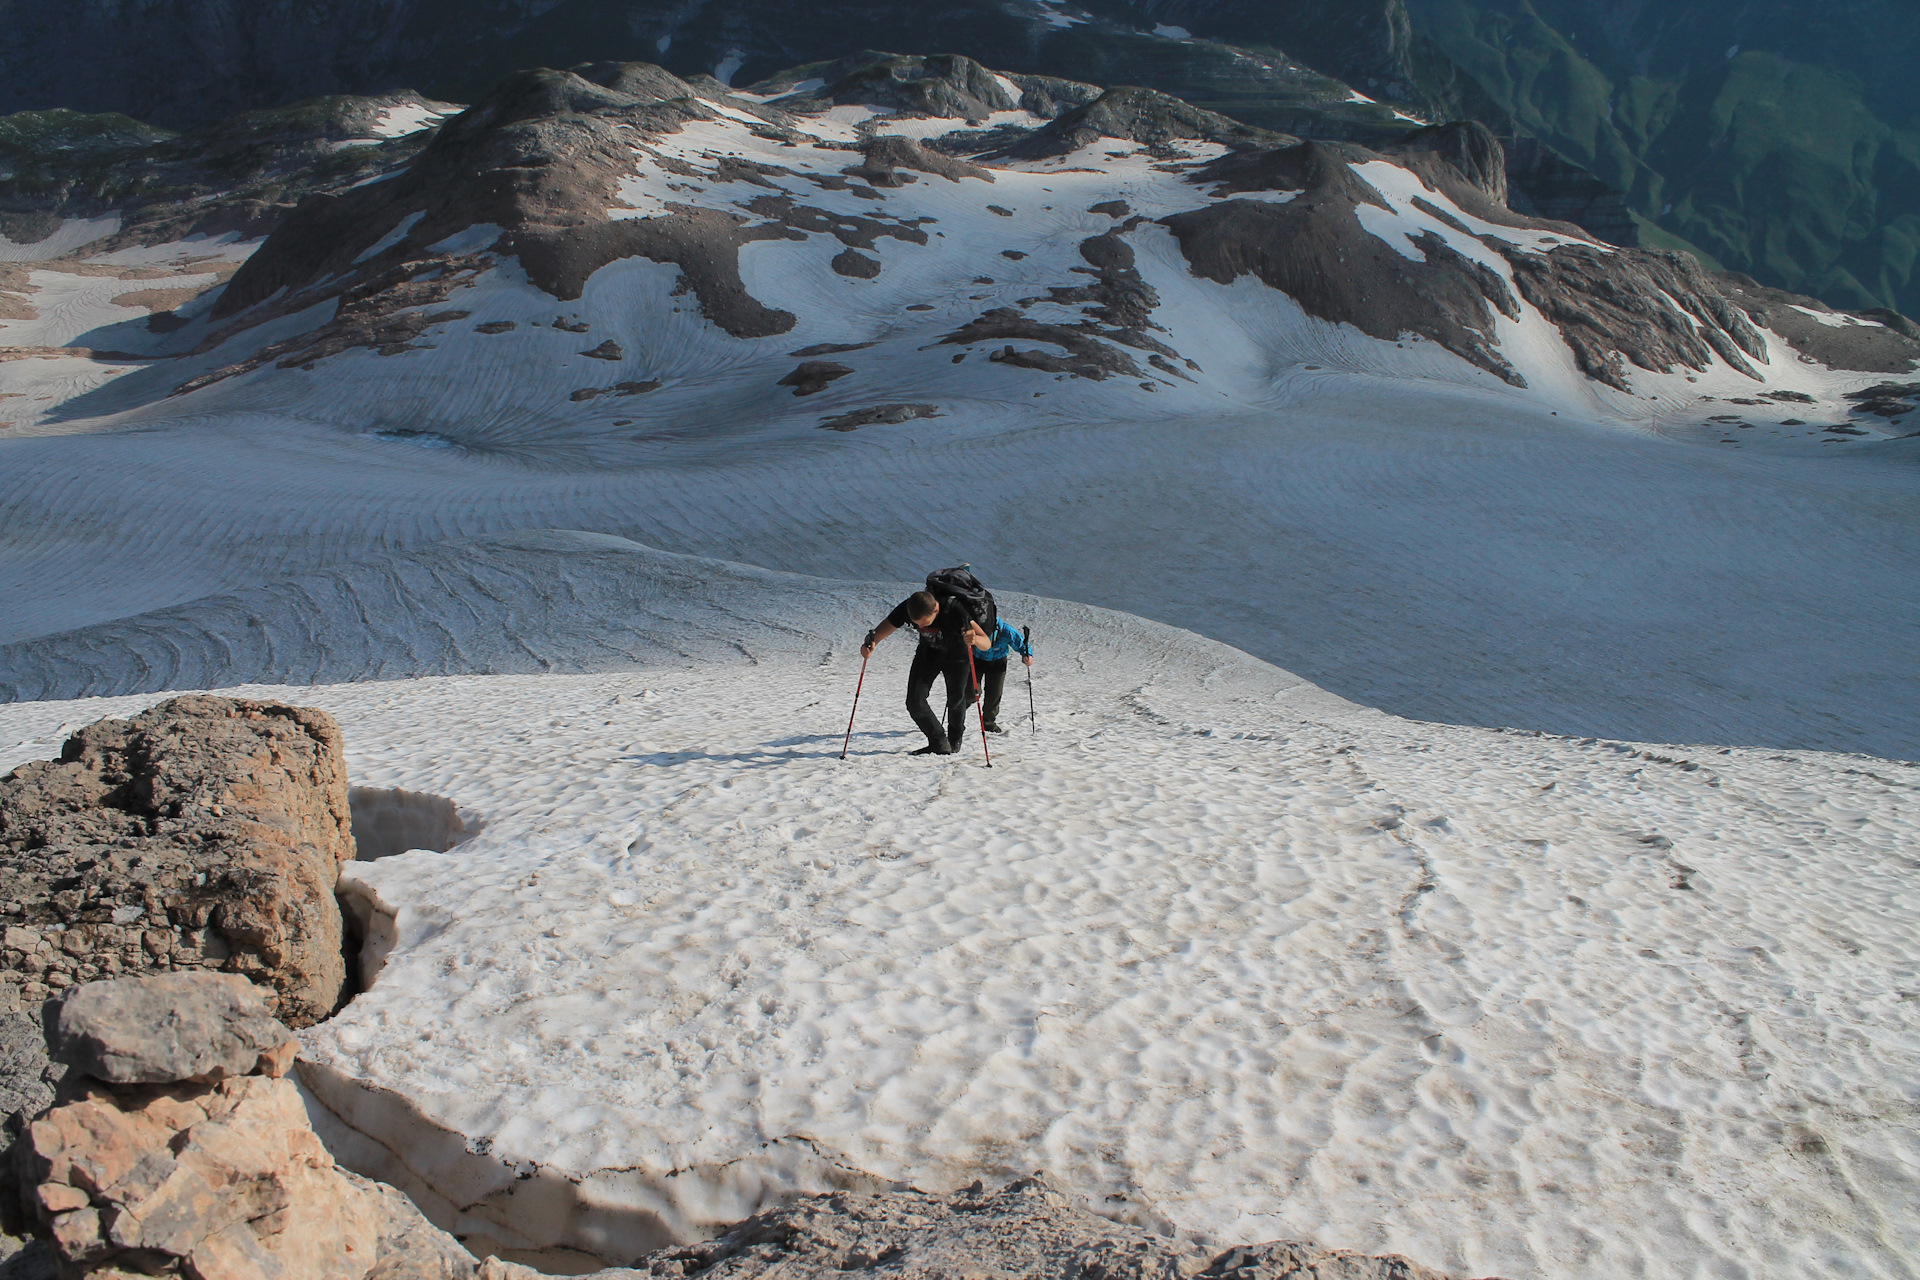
(993,669)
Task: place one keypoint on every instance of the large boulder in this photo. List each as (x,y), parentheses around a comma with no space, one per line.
(206,833)
(170,1028)
(194,1157)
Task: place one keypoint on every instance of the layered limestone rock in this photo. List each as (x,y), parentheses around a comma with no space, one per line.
(1024,1229)
(206,833)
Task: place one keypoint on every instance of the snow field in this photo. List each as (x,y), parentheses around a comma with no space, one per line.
(1214,950)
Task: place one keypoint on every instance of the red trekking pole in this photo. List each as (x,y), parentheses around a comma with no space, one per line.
(978,703)
(856,705)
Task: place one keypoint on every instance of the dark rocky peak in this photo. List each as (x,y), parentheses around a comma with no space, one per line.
(1140,115)
(944,85)
(947,86)
(34,134)
(1470,148)
(537,94)
(1319,169)
(639,81)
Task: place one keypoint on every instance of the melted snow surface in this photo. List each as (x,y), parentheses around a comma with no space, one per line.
(1213,946)
(398,122)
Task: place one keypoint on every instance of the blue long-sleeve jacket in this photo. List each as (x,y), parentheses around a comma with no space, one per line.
(1006,640)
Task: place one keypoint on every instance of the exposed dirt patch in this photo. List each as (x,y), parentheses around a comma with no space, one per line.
(829,349)
(886,156)
(387,313)
(617,389)
(888,414)
(850,230)
(853,263)
(814,375)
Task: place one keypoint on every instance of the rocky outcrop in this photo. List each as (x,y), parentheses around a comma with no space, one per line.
(1315,249)
(1139,115)
(179,1147)
(1615,307)
(240,176)
(1024,1229)
(204,834)
(1873,341)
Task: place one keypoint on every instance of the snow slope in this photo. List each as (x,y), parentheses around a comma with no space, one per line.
(1385,517)
(1213,949)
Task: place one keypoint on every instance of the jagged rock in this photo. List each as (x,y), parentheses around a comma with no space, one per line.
(814,375)
(1655,310)
(27,1071)
(206,833)
(168,1028)
(1024,1229)
(1469,147)
(220,1180)
(1817,331)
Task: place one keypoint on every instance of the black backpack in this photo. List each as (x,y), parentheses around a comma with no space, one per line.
(959,584)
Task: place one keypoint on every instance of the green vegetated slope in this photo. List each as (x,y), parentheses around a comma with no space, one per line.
(1778,137)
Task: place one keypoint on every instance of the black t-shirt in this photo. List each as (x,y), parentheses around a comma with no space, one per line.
(946,632)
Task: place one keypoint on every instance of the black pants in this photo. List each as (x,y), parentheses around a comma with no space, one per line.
(929,662)
(993,681)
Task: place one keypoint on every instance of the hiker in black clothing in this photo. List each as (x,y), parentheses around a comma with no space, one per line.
(947,629)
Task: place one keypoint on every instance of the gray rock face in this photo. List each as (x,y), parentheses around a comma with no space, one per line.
(27,1074)
(206,833)
(168,1028)
(195,1158)
(1025,1229)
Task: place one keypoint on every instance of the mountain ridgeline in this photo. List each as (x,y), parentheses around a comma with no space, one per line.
(1736,129)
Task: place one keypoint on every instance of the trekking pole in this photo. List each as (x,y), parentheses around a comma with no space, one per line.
(856,706)
(978,704)
(1033,717)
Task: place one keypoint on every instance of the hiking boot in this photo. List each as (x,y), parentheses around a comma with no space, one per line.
(932,749)
(993,726)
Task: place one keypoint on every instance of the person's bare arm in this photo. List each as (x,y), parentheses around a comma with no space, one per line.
(976,637)
(875,636)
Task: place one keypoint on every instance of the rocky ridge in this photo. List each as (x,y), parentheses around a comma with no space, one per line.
(204,834)
(236,177)
(542,161)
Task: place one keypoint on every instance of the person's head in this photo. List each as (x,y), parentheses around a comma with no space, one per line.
(922,608)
